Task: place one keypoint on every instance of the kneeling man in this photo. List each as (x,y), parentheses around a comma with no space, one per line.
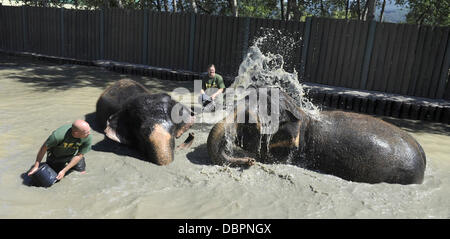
(66,148)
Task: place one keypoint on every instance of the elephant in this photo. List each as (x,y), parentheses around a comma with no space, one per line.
(130,114)
(352,146)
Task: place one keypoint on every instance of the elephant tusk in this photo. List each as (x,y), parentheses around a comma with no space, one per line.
(188,142)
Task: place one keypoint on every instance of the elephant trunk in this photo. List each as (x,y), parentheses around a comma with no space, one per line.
(217,144)
(160,146)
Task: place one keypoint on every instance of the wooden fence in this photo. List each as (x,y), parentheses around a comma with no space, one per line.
(395,58)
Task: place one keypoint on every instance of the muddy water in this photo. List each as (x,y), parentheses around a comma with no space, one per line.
(37,97)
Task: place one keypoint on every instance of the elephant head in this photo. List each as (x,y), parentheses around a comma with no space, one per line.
(113,97)
(251,133)
(146,122)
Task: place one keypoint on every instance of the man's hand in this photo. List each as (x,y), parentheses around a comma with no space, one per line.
(61,174)
(39,157)
(204,99)
(33,170)
(72,163)
(218,92)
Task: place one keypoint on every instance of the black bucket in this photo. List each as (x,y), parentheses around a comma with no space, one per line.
(45,176)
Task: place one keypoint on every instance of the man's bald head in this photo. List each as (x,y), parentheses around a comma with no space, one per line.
(80,129)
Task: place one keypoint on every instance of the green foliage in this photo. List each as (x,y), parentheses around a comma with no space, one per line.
(432,12)
(259,8)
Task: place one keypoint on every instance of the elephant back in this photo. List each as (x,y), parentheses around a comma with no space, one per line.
(113,97)
(362,148)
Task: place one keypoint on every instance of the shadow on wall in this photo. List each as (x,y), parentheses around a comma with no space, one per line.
(45,75)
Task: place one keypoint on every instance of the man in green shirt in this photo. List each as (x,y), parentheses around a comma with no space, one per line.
(212,86)
(66,148)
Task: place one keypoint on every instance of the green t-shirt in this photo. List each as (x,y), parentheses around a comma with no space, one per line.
(214,82)
(62,145)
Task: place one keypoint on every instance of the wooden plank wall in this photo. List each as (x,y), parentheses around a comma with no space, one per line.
(217,40)
(408,59)
(81,34)
(123,35)
(336,53)
(11,28)
(43,30)
(168,40)
(404,59)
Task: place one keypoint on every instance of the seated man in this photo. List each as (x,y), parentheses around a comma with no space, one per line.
(66,148)
(212,87)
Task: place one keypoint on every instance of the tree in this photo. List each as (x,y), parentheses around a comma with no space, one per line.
(432,12)
(234,7)
(194,6)
(382,10)
(180,5)
(293,12)
(174,5)
(370,14)
(346,9)
(259,8)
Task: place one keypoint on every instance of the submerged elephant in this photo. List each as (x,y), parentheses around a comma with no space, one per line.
(351,146)
(131,115)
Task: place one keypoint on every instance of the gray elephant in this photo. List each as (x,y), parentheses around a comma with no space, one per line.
(351,146)
(131,115)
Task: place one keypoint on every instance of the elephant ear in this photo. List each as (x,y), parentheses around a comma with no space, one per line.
(289,110)
(116,129)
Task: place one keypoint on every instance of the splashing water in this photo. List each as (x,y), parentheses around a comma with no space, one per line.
(261,70)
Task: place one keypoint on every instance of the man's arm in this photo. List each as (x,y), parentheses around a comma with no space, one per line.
(221,86)
(219,91)
(39,158)
(72,163)
(202,90)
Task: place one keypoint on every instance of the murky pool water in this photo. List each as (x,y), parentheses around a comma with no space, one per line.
(37,97)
